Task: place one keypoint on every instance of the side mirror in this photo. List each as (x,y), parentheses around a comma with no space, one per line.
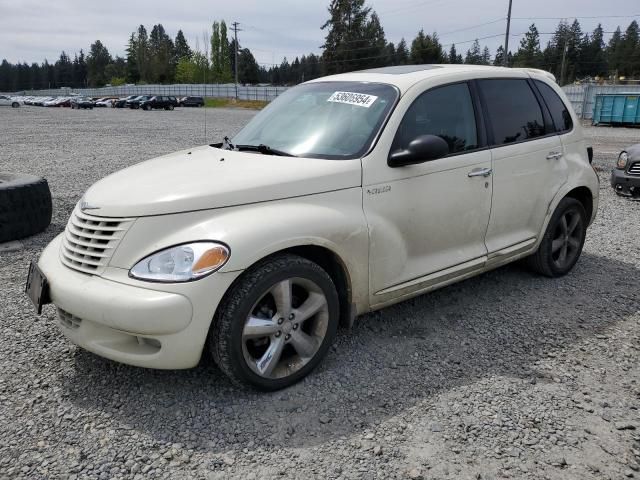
(422,149)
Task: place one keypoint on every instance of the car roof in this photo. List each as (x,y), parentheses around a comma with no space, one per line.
(405,76)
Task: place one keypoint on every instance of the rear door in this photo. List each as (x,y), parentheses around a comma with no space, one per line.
(527,160)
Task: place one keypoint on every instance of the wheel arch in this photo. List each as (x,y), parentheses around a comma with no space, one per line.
(585,197)
(331,263)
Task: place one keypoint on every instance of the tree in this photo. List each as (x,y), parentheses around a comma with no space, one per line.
(162,57)
(454,56)
(498,60)
(97,62)
(143,54)
(63,71)
(133,72)
(486,56)
(474,56)
(402,53)
(355,38)
(529,53)
(426,49)
(630,50)
(182,49)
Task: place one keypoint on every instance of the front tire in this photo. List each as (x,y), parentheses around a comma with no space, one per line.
(275,324)
(563,240)
(15,105)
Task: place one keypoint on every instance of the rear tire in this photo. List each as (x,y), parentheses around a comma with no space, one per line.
(299,326)
(563,240)
(15,105)
(25,206)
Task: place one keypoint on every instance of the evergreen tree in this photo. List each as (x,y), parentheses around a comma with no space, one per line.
(402,53)
(454,57)
(630,50)
(97,61)
(529,53)
(182,49)
(426,49)
(498,60)
(143,54)
(354,40)
(486,56)
(162,56)
(133,73)
(474,55)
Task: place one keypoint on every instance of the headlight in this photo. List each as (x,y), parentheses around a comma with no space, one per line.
(622,160)
(182,263)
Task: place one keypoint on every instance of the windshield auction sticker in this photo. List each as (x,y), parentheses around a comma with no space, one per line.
(351,98)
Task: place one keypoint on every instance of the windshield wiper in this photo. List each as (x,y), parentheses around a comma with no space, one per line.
(264,149)
(228,143)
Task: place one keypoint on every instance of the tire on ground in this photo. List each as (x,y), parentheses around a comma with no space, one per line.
(541,261)
(25,205)
(224,338)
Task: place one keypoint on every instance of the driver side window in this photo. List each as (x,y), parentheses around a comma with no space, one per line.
(446,112)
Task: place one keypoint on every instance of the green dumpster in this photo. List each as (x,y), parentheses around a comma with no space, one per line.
(617,108)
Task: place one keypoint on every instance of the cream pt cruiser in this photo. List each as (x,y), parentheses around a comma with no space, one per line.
(346,194)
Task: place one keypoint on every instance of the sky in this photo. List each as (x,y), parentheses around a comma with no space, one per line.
(32,30)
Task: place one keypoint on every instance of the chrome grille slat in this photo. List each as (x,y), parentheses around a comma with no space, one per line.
(89,241)
(634,169)
(81,233)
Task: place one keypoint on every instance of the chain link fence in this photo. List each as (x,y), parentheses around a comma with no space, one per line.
(259,92)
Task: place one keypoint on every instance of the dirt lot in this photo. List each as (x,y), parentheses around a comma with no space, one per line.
(507,375)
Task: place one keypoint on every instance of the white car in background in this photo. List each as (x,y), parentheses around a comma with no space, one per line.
(105,102)
(6,101)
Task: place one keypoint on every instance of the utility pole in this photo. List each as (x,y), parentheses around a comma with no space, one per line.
(506,37)
(564,60)
(235,32)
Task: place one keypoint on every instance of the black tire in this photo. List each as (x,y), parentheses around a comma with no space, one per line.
(543,260)
(226,333)
(170,107)
(25,206)
(15,105)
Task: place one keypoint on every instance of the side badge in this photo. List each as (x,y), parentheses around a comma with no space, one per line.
(379,190)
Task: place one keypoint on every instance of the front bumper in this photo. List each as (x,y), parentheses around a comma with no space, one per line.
(625,184)
(139,323)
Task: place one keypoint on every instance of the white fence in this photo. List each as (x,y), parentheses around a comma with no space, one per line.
(260,92)
(583,97)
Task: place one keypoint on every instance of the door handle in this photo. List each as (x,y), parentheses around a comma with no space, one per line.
(480,172)
(554,155)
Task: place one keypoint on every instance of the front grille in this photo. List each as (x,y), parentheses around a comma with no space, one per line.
(89,241)
(69,320)
(634,169)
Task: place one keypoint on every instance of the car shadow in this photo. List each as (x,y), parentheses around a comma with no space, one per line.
(498,324)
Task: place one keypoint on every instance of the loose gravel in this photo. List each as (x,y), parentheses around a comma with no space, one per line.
(507,375)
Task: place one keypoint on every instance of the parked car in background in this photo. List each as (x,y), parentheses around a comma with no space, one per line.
(58,102)
(192,102)
(625,177)
(122,102)
(105,102)
(158,102)
(40,101)
(6,101)
(134,103)
(82,103)
(348,194)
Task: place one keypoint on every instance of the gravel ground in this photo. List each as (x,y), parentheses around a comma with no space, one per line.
(507,375)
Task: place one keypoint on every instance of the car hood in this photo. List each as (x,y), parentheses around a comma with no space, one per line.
(205,177)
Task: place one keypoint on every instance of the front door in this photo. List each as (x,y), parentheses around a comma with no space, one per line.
(429,219)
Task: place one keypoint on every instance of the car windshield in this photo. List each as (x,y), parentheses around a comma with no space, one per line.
(335,120)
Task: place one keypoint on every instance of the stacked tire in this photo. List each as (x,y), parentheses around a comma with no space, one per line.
(25,206)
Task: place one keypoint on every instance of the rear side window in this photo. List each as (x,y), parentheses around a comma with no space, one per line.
(444,111)
(513,110)
(559,112)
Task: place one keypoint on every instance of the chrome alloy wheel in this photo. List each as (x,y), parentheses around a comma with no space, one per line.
(285,328)
(567,238)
